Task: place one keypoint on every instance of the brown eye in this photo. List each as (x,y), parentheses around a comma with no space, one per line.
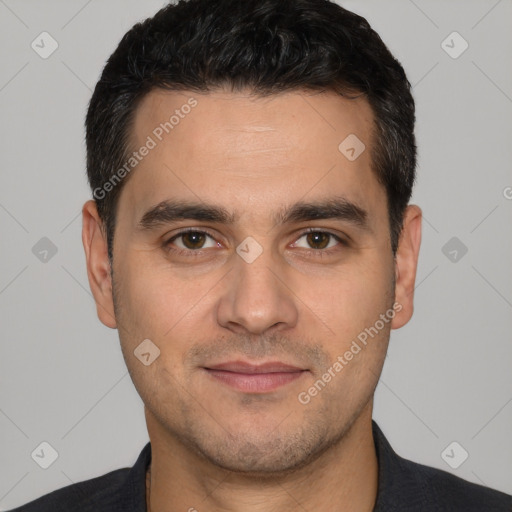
(193,239)
(318,239)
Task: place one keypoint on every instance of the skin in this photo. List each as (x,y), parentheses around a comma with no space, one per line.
(214,447)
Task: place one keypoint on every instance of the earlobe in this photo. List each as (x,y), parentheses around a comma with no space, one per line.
(406,263)
(98,264)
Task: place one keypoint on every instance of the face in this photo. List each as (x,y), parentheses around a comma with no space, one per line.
(256,257)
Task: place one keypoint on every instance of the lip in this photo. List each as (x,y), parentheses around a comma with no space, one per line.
(255,378)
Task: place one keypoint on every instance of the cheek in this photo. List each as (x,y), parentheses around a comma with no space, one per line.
(352,306)
(155,305)
(156,301)
(350,300)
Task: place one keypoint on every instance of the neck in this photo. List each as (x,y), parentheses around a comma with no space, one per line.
(344,478)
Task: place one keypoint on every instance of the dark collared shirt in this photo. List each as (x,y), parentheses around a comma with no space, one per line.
(403,486)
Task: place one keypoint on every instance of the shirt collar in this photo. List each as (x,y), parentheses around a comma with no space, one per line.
(392,478)
(132,495)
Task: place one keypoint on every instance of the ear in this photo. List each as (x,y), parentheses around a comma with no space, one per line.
(406,263)
(98,265)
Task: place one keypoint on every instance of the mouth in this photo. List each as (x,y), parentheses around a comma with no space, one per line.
(255,378)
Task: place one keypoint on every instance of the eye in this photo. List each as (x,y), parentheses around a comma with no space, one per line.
(317,240)
(192,240)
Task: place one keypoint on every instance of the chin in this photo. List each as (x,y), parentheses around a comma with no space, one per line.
(262,455)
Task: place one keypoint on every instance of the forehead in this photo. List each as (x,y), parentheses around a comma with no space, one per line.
(244,149)
(239,116)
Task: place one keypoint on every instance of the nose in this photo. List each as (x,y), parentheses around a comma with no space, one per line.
(256,298)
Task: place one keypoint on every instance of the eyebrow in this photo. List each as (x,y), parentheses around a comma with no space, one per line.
(338,208)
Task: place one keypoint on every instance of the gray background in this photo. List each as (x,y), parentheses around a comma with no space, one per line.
(448,373)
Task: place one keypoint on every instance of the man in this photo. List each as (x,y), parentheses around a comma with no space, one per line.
(251,239)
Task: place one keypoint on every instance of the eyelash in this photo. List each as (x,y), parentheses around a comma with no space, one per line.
(199,252)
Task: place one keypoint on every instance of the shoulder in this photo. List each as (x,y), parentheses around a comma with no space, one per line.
(96,494)
(408,486)
(441,491)
(116,491)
